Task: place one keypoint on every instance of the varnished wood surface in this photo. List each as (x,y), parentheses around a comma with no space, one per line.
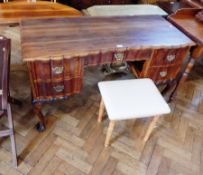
(195,3)
(172,7)
(43,39)
(13,12)
(185,20)
(73,141)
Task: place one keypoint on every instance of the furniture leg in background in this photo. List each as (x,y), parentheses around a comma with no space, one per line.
(196,53)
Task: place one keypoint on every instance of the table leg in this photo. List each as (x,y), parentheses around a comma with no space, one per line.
(183,78)
(40,126)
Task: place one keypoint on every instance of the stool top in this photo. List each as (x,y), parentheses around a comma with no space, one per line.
(128,99)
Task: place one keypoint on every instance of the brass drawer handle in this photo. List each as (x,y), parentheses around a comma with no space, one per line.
(59,88)
(163,73)
(170,58)
(119,56)
(57,70)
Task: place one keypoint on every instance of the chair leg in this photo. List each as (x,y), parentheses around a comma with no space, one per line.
(150,128)
(12,138)
(109,132)
(101,111)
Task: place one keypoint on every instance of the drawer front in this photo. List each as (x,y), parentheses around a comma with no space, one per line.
(163,73)
(136,55)
(49,91)
(117,56)
(56,79)
(55,69)
(166,57)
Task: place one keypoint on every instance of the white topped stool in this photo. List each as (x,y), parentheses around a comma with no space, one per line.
(131,99)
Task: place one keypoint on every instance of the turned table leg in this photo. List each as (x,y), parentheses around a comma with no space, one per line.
(196,53)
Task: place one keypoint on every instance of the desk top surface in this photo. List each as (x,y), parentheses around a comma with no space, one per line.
(43,39)
(185,20)
(13,12)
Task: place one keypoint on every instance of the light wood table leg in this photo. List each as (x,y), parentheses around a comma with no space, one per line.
(109,132)
(150,128)
(101,111)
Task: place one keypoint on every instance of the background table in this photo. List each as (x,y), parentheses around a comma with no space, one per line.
(13,12)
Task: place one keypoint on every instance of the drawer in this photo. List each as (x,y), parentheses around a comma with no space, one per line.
(56,90)
(163,73)
(166,57)
(117,56)
(102,58)
(136,55)
(55,69)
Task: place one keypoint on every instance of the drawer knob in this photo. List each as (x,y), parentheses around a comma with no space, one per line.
(170,58)
(119,56)
(59,88)
(163,73)
(57,70)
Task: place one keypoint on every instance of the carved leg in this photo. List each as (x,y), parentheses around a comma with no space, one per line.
(109,132)
(150,128)
(183,78)
(101,111)
(41,125)
(15,101)
(12,137)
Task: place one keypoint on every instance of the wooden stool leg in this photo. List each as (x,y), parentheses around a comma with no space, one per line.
(101,111)
(150,128)
(12,138)
(109,132)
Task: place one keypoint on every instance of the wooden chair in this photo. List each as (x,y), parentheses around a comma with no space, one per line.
(5,108)
(131,99)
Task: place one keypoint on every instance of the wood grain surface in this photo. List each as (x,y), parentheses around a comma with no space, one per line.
(187,22)
(13,12)
(44,39)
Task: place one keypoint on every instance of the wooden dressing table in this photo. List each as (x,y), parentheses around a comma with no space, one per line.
(58,50)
